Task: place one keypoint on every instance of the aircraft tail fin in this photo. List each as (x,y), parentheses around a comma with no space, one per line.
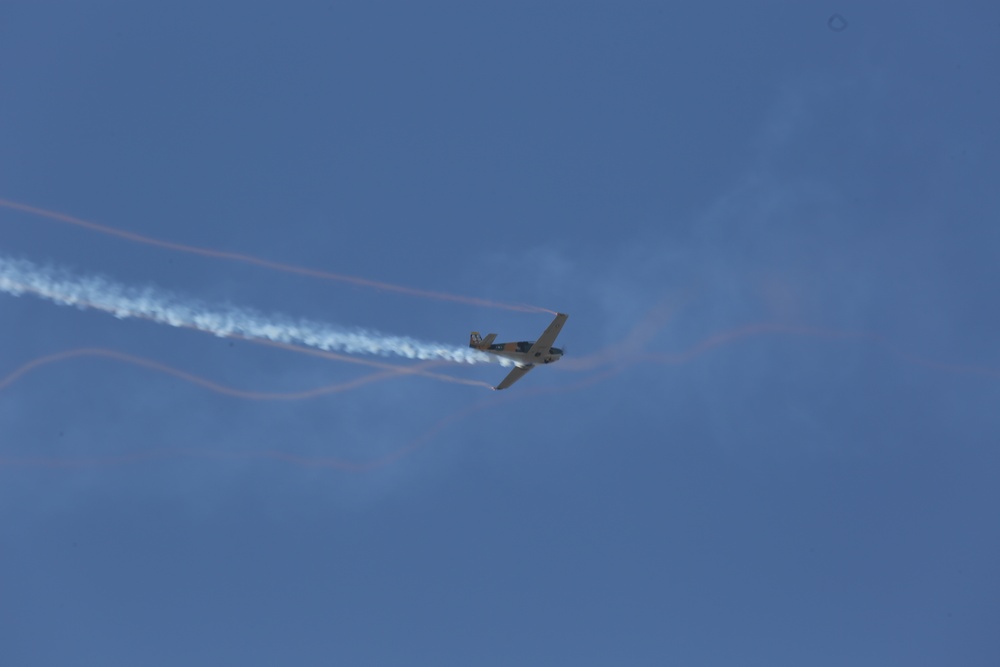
(480,343)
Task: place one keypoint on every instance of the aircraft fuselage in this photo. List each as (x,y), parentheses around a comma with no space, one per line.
(520,353)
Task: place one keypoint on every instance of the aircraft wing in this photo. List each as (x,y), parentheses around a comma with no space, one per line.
(548,336)
(515,374)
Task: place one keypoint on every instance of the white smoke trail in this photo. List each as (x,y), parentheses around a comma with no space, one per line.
(18,277)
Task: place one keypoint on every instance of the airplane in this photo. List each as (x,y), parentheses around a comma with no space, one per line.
(524,354)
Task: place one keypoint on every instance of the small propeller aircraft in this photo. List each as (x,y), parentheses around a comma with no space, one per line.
(525,354)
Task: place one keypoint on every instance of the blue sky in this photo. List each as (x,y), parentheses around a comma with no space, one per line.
(774,439)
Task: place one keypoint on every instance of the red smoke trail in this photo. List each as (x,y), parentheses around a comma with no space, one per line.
(265,263)
(40,362)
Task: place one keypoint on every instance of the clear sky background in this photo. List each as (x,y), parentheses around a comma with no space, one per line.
(775,437)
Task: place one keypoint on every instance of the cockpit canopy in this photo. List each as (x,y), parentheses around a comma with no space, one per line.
(525,346)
